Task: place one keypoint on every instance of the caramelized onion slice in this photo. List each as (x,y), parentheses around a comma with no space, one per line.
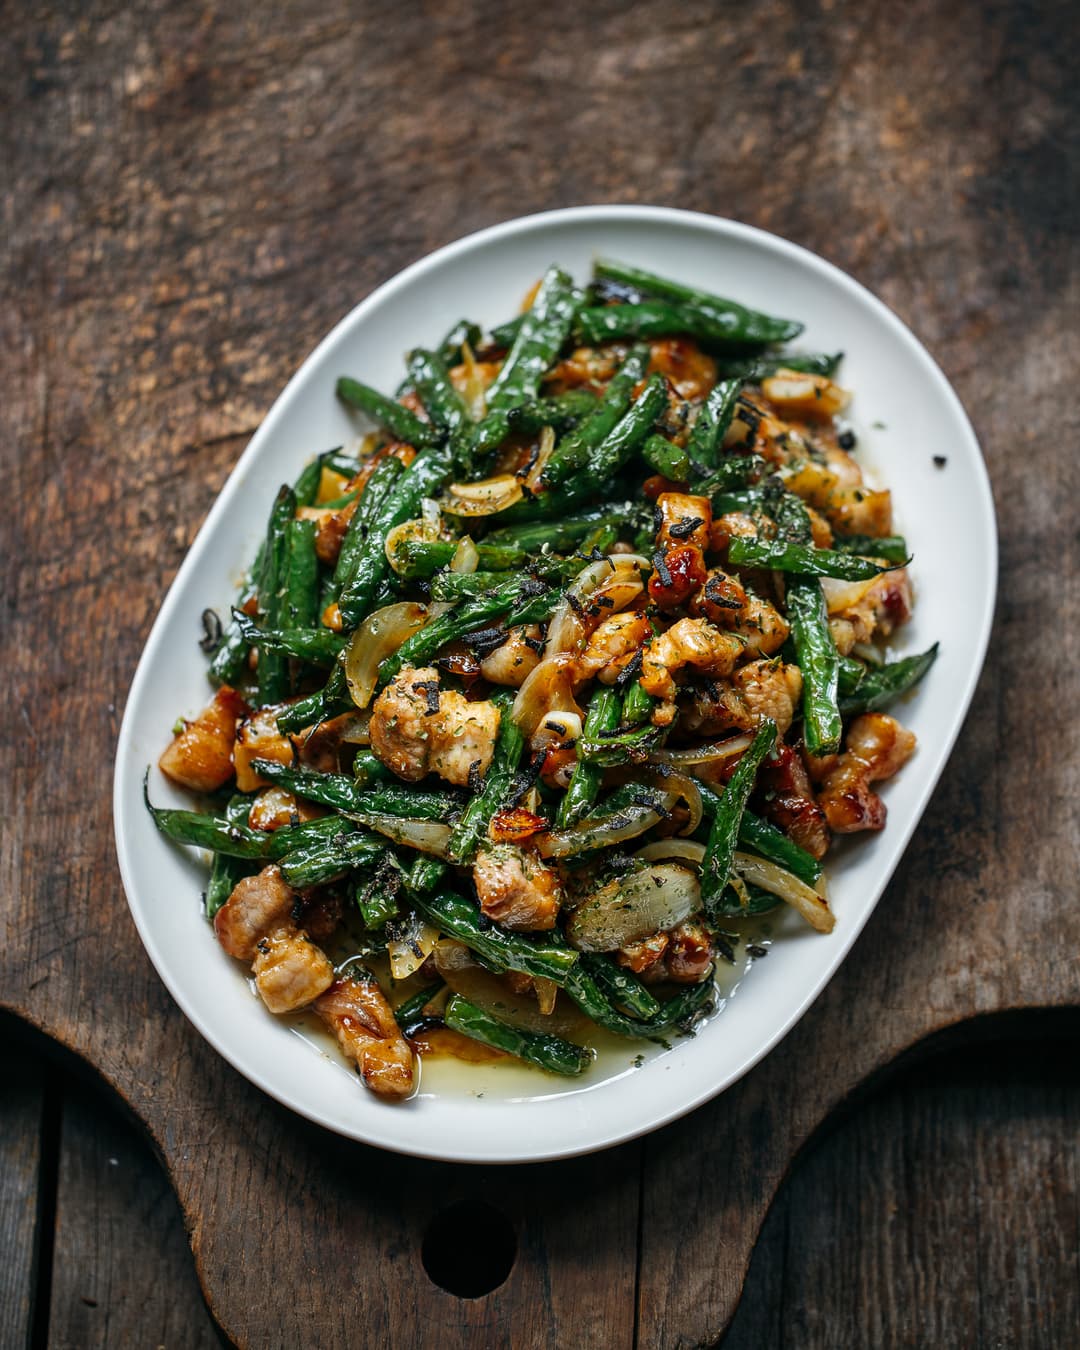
(412,943)
(617,578)
(379,636)
(484,497)
(633,907)
(798,895)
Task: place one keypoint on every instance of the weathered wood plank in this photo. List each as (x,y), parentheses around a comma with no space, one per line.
(190,200)
(943,1212)
(22,1108)
(122,1272)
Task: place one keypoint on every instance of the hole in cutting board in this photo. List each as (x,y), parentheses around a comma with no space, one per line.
(469,1248)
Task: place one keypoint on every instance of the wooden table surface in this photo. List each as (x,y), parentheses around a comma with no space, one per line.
(192,196)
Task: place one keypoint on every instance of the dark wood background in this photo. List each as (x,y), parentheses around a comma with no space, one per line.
(192,195)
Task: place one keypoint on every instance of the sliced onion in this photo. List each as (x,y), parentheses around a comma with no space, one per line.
(429,836)
(605,832)
(379,636)
(678,785)
(843,595)
(355,728)
(617,578)
(634,907)
(689,850)
(543,454)
(465,976)
(466,557)
(412,944)
(546,691)
(780,882)
(484,497)
(715,753)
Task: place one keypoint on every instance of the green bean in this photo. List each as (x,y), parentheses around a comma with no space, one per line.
(226,871)
(449,349)
(520,599)
(583,988)
(724,830)
(558,411)
(761,367)
(504,762)
(545,1051)
(425,874)
(748,902)
(784,556)
(229,661)
(731,473)
(622,987)
(387,412)
(637,705)
(881,685)
(576,452)
(504,334)
(849,671)
(331,699)
(621,442)
(819,662)
(618,747)
(220,835)
(766,839)
(443,404)
(423,478)
(316,646)
(605,708)
(368,768)
(410,1014)
(892,547)
(739,324)
(379,484)
(815,648)
(377,895)
(544,957)
(300,607)
(326,860)
(564,532)
(543,330)
(666,458)
(421,558)
(272,672)
(349,797)
(713,420)
(307,485)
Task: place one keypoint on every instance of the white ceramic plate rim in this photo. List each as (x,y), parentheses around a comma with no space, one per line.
(889,846)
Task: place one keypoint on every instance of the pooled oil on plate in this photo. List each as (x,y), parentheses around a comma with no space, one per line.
(911,417)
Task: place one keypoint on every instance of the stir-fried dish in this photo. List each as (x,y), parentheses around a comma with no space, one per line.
(581,660)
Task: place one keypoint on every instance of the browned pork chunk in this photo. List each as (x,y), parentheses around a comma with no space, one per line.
(516,889)
(418,728)
(877,746)
(356,1011)
(200,756)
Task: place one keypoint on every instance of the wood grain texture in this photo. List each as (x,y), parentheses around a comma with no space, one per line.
(21,1190)
(192,196)
(943,1212)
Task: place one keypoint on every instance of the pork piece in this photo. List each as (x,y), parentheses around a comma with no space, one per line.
(682,955)
(200,756)
(257,923)
(877,747)
(742,702)
(683,519)
(516,889)
(417,728)
(689,957)
(258,737)
(290,971)
(356,1011)
(275,807)
(724,601)
(613,646)
(788,801)
(331,526)
(515,659)
(731,525)
(798,394)
(679,574)
(862,610)
(689,642)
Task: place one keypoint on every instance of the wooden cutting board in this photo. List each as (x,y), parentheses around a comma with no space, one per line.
(191,199)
